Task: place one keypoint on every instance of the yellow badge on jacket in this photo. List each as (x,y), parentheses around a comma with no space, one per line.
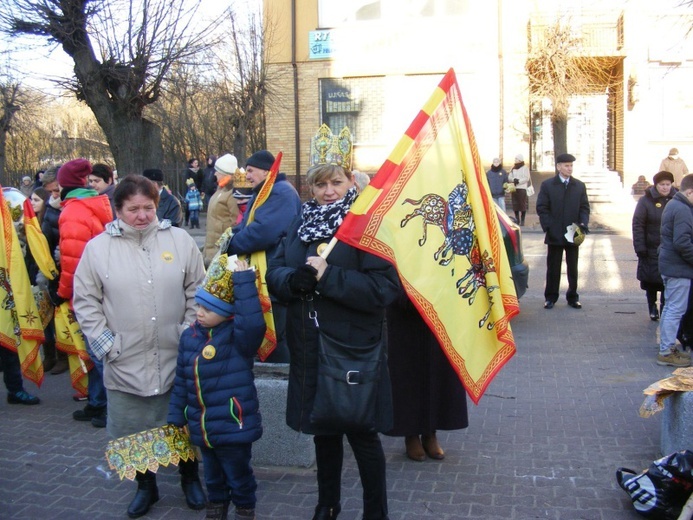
(167,257)
(209,352)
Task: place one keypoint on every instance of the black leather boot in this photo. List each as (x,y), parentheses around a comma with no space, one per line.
(190,482)
(147,494)
(326,512)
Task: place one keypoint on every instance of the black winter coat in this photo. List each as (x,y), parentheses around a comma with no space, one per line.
(558,207)
(350,301)
(647,220)
(49,227)
(427,393)
(169,208)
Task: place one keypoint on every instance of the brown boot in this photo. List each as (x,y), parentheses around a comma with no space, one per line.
(431,446)
(414,448)
(61,364)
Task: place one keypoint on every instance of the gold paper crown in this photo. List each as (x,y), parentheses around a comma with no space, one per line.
(219,280)
(239,179)
(190,181)
(326,148)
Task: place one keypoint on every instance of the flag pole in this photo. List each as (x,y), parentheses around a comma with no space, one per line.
(329,248)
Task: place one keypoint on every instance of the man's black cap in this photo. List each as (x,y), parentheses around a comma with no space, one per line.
(565,157)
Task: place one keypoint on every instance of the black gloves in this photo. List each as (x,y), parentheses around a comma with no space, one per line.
(584,228)
(53,292)
(516,181)
(304,279)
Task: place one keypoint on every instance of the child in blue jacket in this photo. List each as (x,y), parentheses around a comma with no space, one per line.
(214,390)
(193,199)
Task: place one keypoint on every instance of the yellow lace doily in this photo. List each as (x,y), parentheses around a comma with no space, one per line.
(148,450)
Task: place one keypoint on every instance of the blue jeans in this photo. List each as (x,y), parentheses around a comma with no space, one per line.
(676,297)
(11,371)
(501,202)
(229,476)
(97,392)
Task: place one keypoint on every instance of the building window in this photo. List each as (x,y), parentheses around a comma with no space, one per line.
(377,110)
(334,14)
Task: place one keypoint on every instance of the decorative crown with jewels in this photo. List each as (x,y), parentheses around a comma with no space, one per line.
(327,148)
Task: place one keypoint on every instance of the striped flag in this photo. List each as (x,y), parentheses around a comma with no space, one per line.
(429,211)
(258,259)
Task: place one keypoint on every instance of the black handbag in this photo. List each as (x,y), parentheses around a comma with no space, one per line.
(347,386)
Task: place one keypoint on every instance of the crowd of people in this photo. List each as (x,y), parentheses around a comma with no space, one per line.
(173,331)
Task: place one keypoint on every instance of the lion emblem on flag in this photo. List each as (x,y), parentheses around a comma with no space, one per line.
(455,219)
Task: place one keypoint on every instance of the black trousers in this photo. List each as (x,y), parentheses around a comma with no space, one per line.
(554,259)
(368,451)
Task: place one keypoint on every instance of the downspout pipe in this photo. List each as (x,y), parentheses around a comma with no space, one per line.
(297,122)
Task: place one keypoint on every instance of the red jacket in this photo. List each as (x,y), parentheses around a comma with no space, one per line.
(80,221)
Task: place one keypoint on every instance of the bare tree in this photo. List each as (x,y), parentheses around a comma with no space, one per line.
(558,70)
(123,51)
(10,103)
(220,108)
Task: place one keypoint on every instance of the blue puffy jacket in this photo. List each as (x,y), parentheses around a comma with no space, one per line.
(214,391)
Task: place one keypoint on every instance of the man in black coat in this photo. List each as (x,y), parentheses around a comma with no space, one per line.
(169,207)
(562,201)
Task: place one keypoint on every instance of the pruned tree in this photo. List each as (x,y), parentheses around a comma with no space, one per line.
(558,69)
(123,51)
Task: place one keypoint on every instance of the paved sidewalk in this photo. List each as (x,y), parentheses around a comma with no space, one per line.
(544,442)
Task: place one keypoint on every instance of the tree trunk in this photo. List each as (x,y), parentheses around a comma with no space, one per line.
(559,126)
(3,146)
(135,144)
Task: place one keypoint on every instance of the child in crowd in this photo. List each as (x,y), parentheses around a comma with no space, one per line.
(194,202)
(214,390)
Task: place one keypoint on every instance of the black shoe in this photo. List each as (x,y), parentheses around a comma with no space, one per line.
(147,494)
(88,413)
(99,421)
(190,482)
(326,512)
(575,305)
(654,313)
(548,304)
(22,397)
(217,511)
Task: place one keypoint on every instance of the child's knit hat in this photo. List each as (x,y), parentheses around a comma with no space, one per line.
(216,291)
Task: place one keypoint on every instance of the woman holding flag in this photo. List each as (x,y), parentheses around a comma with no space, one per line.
(347,294)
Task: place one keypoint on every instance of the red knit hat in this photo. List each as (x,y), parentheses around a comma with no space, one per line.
(73,174)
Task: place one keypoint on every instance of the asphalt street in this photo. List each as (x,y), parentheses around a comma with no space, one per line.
(544,441)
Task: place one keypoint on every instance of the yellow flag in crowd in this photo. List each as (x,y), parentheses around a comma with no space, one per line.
(259,260)
(69,339)
(68,335)
(20,324)
(428,210)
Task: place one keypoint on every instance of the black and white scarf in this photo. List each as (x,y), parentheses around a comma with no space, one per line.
(320,222)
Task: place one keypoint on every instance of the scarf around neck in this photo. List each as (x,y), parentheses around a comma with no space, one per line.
(322,221)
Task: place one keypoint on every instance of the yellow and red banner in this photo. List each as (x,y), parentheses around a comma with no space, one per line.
(68,334)
(429,211)
(21,329)
(259,260)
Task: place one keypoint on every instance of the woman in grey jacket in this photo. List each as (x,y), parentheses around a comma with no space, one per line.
(134,293)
